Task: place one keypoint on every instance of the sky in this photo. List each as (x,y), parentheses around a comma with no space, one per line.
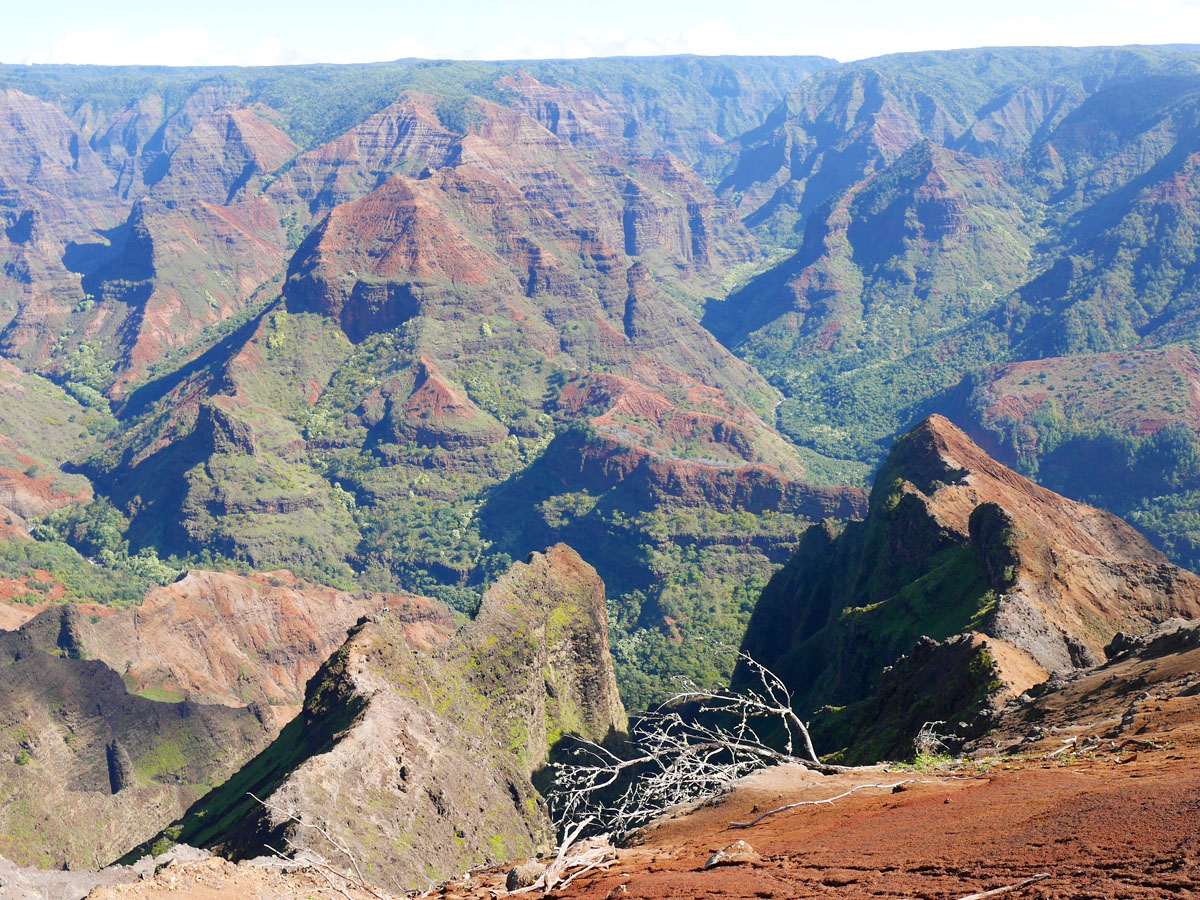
(272,32)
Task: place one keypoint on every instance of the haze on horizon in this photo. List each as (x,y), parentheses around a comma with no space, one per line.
(234,32)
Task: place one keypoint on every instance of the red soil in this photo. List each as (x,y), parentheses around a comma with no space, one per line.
(1137,391)
(1121,819)
(434,398)
(1100,829)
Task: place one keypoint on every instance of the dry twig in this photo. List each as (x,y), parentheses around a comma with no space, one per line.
(1007,888)
(357,881)
(828,801)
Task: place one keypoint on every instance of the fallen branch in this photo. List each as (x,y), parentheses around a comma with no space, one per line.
(588,868)
(551,875)
(593,853)
(1008,887)
(1068,744)
(359,881)
(828,801)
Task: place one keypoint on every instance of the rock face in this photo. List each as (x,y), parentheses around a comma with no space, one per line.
(123,718)
(956,544)
(174,154)
(404,137)
(88,769)
(223,638)
(421,760)
(1163,664)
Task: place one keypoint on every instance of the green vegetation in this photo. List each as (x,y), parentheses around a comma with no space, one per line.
(272,439)
(97,531)
(80,578)
(1153,481)
(318,102)
(954,243)
(915,265)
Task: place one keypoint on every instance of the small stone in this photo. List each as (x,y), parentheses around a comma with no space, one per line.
(619,891)
(736,853)
(524,874)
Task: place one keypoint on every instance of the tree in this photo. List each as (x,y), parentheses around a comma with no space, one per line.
(685,751)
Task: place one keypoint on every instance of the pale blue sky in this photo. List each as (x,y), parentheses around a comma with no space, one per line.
(247,32)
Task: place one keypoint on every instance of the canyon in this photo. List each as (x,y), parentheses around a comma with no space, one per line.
(370,433)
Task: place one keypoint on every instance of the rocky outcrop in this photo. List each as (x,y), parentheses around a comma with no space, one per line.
(644,477)
(540,647)
(33,497)
(1148,684)
(435,413)
(217,156)
(89,769)
(125,717)
(32,883)
(235,639)
(956,544)
(435,746)
(405,137)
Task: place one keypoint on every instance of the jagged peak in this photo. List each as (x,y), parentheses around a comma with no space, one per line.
(939,460)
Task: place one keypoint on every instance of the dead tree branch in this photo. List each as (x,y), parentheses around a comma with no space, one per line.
(323,870)
(357,880)
(676,760)
(928,742)
(1007,888)
(828,801)
(584,856)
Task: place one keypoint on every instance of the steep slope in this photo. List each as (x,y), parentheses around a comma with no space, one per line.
(850,122)
(87,769)
(954,544)
(132,282)
(222,638)
(54,189)
(41,427)
(404,137)
(387,752)
(123,718)
(84,145)
(1118,430)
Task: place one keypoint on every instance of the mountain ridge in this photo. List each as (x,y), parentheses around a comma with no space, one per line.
(1015,581)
